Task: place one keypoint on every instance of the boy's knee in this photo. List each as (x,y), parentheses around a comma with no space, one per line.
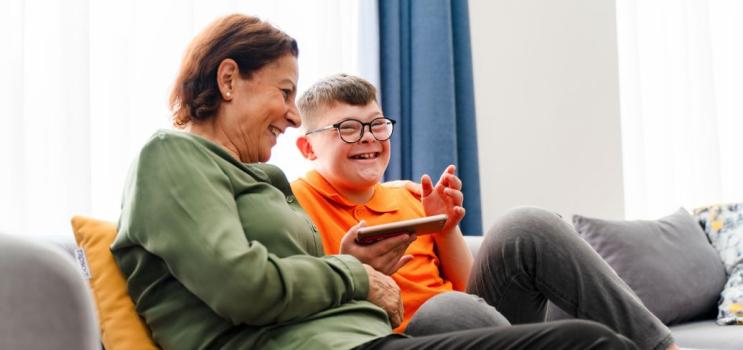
(529,223)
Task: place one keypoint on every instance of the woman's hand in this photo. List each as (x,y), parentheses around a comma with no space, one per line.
(444,198)
(386,256)
(385,293)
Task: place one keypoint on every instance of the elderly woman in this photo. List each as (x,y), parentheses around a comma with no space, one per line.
(216,250)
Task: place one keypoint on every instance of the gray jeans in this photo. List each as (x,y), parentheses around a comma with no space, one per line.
(529,257)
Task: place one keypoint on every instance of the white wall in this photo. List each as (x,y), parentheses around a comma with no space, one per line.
(547,99)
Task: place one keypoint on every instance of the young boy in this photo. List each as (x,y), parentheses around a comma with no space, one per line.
(347,140)
(348,143)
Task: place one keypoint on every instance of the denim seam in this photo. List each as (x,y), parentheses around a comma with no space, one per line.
(562,296)
(499,295)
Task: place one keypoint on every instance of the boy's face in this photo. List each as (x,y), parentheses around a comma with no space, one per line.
(351,166)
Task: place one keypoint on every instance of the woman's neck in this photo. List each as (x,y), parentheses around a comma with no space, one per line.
(210,130)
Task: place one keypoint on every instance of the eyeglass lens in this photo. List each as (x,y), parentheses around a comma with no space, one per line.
(352,130)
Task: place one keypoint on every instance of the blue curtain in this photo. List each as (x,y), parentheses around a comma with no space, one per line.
(426,85)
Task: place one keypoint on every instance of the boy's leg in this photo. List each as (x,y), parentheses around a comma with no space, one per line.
(454,311)
(559,335)
(531,255)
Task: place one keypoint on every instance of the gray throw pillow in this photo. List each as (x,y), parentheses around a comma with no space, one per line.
(667,262)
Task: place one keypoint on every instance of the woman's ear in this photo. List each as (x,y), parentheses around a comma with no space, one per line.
(305,147)
(227,73)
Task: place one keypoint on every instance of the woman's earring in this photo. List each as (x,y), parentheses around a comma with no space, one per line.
(229,94)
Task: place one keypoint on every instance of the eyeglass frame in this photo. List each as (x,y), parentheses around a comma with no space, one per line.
(337,127)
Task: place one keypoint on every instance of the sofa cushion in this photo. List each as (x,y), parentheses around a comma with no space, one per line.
(723,224)
(707,335)
(668,262)
(121,327)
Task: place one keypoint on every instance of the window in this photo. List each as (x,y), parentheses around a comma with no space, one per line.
(681,77)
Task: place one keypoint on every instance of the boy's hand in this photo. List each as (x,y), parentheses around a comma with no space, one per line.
(386,256)
(444,198)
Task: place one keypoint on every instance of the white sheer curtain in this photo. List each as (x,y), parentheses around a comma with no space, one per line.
(83,83)
(681,76)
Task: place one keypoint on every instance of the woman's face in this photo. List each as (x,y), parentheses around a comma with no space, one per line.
(261,108)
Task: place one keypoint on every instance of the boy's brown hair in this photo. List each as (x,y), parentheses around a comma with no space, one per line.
(338,88)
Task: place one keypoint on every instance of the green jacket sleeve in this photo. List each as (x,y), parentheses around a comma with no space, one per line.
(181,206)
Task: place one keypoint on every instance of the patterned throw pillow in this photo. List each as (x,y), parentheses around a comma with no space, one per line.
(723,225)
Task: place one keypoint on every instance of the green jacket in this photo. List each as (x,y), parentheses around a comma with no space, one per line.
(219,254)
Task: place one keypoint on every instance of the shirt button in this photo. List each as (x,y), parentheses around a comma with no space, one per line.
(290,199)
(358,212)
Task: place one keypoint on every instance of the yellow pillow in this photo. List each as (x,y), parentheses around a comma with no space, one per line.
(121,326)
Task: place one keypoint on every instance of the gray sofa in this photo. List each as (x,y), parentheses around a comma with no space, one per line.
(45,303)
(702,334)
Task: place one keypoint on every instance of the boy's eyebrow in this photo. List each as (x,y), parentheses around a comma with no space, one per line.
(375,114)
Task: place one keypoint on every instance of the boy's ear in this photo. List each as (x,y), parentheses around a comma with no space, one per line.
(305,147)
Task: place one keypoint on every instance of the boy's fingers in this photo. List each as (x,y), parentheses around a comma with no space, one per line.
(453,181)
(448,171)
(426,185)
(459,212)
(457,216)
(456,196)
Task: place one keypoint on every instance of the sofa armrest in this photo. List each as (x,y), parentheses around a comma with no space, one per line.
(473,242)
(44,300)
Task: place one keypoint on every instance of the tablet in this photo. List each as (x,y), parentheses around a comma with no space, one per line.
(419,226)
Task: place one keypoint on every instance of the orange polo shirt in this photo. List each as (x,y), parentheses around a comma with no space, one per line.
(419,279)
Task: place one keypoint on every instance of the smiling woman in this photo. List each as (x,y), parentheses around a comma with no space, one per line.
(251,101)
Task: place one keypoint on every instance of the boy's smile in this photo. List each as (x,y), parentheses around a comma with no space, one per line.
(367,155)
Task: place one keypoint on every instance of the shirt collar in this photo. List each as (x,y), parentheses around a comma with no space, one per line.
(380,202)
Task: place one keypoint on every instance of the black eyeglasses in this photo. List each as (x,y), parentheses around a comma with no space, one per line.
(352,130)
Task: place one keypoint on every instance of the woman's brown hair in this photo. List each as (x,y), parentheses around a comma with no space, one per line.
(252,43)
